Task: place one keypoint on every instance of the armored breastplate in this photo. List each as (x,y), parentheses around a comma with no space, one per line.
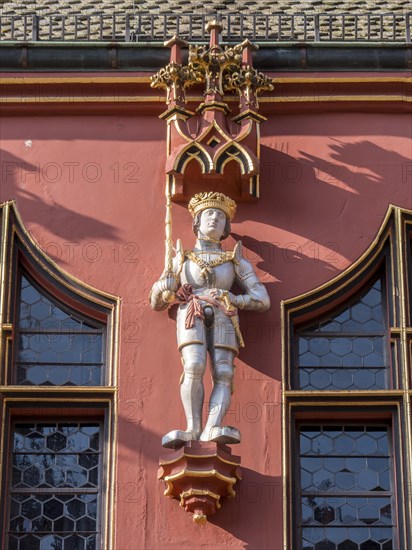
(201,274)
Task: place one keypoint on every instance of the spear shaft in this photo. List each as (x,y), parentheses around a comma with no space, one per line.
(168,231)
(168,295)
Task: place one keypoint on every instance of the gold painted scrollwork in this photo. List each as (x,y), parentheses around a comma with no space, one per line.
(247,80)
(212,63)
(175,78)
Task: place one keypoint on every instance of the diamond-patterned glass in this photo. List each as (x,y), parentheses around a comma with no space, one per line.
(53,346)
(345,478)
(346,352)
(46,457)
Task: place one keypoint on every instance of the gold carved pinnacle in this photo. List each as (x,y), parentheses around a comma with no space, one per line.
(210,63)
(211,25)
(175,40)
(248,44)
(219,67)
(216,56)
(247,80)
(173,74)
(174,78)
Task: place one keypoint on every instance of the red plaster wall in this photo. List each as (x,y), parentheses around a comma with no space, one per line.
(326,182)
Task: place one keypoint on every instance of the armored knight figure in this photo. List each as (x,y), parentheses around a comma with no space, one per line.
(207,320)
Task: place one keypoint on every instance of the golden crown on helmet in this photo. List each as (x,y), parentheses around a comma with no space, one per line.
(212,199)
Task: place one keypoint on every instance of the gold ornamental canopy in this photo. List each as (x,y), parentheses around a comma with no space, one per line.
(221,71)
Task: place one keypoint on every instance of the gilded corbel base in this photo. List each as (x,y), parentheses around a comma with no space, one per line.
(199,475)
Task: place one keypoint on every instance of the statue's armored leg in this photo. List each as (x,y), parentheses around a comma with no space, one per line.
(223,371)
(191,389)
(192,395)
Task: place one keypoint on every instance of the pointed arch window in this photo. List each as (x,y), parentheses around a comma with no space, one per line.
(347,395)
(58,350)
(346,350)
(55,346)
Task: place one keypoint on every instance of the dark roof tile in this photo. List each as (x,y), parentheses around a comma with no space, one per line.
(147,8)
(262,6)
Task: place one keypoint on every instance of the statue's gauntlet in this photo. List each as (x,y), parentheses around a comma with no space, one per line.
(162,292)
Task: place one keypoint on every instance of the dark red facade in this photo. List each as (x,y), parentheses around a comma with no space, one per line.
(88,179)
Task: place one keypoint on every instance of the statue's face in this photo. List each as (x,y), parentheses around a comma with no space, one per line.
(212,223)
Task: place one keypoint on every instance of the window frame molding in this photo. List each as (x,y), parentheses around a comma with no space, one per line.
(360,413)
(16,409)
(19,250)
(390,251)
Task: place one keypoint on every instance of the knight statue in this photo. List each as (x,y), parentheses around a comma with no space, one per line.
(207,322)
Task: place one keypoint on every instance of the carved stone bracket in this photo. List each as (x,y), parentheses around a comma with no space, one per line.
(208,136)
(199,475)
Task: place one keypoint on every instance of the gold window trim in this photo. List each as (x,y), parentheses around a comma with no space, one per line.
(394,234)
(12,228)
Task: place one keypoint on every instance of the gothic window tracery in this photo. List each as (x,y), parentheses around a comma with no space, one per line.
(58,349)
(55,346)
(347,393)
(346,350)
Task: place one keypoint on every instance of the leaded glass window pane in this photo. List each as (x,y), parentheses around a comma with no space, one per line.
(55,456)
(54,347)
(347,351)
(345,480)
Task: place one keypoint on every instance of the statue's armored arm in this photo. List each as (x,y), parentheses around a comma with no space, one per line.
(255,295)
(167,282)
